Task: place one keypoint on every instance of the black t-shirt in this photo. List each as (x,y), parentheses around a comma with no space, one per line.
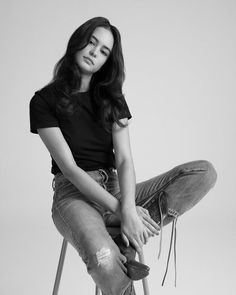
(90,144)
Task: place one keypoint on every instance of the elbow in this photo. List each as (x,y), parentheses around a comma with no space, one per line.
(67,165)
(68,170)
(125,163)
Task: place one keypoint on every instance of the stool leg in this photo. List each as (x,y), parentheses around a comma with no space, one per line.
(60,267)
(97,291)
(144,281)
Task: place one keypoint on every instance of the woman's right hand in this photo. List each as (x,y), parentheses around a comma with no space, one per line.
(132,229)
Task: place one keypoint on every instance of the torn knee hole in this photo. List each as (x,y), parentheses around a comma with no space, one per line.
(104,256)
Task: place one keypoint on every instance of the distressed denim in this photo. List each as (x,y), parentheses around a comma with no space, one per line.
(84,223)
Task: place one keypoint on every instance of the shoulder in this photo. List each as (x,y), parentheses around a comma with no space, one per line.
(42,108)
(48,94)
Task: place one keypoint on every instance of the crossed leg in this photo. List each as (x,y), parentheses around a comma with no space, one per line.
(84,227)
(184,186)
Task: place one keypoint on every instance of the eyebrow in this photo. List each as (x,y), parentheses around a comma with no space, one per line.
(103,45)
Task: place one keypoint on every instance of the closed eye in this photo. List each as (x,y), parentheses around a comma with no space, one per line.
(103,52)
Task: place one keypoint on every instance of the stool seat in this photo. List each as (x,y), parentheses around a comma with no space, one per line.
(112,232)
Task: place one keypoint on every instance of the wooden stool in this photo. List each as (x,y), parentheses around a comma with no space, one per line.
(97,290)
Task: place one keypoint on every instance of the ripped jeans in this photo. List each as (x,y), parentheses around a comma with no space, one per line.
(84,223)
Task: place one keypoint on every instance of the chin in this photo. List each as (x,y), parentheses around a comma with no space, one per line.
(85,70)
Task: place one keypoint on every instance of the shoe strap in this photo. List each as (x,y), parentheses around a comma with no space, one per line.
(162,218)
(173,236)
(173,213)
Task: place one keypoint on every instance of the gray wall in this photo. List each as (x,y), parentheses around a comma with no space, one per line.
(180,87)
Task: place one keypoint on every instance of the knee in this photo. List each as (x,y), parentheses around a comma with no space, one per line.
(104,267)
(203,169)
(210,173)
(103,261)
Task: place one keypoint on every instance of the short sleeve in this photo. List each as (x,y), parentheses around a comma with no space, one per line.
(125,112)
(42,114)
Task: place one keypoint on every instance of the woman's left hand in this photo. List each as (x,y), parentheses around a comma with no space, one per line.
(132,229)
(137,226)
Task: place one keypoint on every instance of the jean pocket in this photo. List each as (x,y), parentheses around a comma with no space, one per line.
(60,181)
(62,187)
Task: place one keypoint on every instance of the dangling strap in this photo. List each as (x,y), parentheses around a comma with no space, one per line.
(173,235)
(175,251)
(161,216)
(173,213)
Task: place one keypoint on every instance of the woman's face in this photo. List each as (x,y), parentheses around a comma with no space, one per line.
(91,58)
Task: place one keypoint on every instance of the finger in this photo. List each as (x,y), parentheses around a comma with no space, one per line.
(150,232)
(146,236)
(125,239)
(150,225)
(152,222)
(121,262)
(123,267)
(136,245)
(142,238)
(146,212)
(151,228)
(123,259)
(140,241)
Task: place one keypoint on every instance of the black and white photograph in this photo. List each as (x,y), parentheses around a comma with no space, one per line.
(118,147)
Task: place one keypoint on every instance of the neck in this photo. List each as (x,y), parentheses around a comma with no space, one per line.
(85,81)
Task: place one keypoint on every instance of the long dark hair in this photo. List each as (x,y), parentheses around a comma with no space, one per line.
(105,85)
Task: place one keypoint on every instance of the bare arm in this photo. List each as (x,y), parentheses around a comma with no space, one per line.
(136,223)
(61,153)
(132,228)
(124,165)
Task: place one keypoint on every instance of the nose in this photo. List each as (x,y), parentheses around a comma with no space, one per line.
(93,52)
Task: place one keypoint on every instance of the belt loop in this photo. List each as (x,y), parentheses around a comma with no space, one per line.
(104,175)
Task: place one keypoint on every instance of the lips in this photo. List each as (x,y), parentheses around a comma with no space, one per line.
(87,58)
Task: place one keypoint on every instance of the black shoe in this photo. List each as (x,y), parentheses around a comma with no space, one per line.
(135,270)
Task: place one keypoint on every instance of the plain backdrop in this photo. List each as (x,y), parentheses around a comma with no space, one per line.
(180,87)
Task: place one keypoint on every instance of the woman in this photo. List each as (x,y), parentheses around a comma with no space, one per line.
(82,118)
